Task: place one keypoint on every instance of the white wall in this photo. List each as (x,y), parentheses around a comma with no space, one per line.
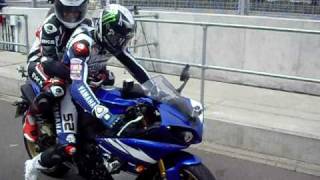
(283,53)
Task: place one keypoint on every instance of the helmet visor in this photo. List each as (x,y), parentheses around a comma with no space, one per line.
(115,39)
(70,14)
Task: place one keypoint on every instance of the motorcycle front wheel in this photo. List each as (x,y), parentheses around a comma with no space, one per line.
(196,172)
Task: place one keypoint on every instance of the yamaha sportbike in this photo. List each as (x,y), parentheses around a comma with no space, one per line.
(158,124)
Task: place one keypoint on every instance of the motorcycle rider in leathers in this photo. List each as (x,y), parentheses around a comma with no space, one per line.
(44,66)
(114,30)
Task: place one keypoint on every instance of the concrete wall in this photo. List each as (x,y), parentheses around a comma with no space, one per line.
(266,51)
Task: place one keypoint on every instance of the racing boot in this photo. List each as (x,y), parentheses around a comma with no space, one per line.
(30,128)
(32,167)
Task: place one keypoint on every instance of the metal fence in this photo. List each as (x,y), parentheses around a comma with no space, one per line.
(275,7)
(203,66)
(10,28)
(176,4)
(302,7)
(296,8)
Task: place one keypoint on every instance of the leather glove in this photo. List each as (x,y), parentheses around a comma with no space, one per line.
(102,113)
(104,77)
(55,87)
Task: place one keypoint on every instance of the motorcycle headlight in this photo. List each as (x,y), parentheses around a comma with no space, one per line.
(182,136)
(187,136)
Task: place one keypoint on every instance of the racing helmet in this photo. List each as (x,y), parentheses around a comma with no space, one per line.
(115,27)
(70,12)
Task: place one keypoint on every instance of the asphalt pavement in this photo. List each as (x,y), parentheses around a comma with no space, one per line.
(13,155)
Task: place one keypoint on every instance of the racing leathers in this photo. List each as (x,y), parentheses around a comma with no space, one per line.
(82,49)
(45,68)
(47,50)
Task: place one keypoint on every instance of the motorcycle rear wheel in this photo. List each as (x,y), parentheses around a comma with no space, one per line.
(58,172)
(32,150)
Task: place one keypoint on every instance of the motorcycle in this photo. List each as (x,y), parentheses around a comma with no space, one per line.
(158,125)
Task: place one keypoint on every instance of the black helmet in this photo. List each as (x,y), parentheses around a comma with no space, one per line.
(70,12)
(115,27)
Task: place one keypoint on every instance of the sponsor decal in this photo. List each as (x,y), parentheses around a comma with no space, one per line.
(110,17)
(75,61)
(100,111)
(75,76)
(50,28)
(87,96)
(68,123)
(57,116)
(37,79)
(136,153)
(75,69)
(48,41)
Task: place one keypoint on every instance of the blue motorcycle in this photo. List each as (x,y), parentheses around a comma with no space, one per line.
(158,124)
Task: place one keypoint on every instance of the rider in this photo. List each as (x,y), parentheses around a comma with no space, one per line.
(115,29)
(44,66)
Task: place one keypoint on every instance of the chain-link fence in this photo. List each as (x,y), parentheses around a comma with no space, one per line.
(201,4)
(303,7)
(284,8)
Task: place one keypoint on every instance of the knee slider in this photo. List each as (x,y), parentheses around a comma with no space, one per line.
(55,87)
(57,91)
(70,149)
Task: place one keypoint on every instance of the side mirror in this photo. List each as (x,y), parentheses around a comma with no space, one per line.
(185,75)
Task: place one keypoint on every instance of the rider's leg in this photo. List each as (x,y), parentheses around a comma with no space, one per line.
(66,128)
(30,126)
(51,88)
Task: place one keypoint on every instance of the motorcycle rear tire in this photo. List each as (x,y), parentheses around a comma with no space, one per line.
(58,172)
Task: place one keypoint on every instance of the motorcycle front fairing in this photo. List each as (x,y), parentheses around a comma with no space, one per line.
(173,119)
(161,142)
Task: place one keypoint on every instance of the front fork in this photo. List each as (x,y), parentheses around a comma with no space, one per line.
(162,169)
(180,160)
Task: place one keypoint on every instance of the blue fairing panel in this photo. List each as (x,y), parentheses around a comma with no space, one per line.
(171,117)
(35,87)
(112,99)
(138,151)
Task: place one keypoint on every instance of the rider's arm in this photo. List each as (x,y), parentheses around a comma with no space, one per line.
(136,70)
(50,31)
(78,53)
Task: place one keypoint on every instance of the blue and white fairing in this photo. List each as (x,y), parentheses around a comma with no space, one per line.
(178,115)
(175,110)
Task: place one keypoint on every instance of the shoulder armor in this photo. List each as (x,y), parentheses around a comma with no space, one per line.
(51,25)
(81,48)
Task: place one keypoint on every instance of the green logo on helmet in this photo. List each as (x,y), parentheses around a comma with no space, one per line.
(110,16)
